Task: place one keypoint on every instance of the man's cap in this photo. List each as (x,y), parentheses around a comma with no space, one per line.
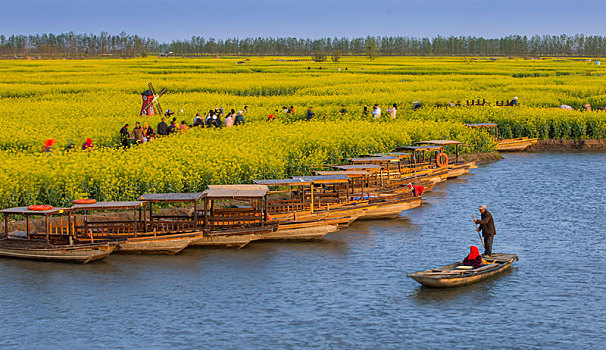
(482,207)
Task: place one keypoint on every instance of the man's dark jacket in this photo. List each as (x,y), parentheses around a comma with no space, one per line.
(487,224)
(162,129)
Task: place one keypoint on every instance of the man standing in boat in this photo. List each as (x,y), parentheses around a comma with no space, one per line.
(487,228)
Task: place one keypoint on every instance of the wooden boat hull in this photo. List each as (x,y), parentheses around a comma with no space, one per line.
(515,145)
(67,254)
(165,245)
(447,276)
(389,210)
(298,233)
(218,241)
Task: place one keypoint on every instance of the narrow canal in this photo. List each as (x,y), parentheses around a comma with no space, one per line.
(350,290)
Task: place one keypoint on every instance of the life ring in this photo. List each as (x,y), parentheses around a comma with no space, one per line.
(84,201)
(39,207)
(442,160)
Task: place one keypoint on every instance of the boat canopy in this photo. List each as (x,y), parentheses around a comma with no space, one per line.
(481,125)
(348,173)
(421,148)
(324,179)
(25,211)
(390,154)
(171,197)
(439,142)
(236,191)
(283,182)
(358,167)
(374,159)
(108,206)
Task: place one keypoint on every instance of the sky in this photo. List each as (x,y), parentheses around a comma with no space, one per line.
(221,19)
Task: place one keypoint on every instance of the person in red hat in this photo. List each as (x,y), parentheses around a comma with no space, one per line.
(48,145)
(88,145)
(474,258)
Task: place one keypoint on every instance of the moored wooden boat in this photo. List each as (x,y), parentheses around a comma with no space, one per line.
(515,145)
(82,254)
(453,275)
(45,241)
(506,145)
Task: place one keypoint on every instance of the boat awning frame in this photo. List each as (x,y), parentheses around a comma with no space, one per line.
(108,206)
(171,197)
(236,191)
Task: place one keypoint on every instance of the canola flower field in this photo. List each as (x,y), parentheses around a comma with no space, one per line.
(71,100)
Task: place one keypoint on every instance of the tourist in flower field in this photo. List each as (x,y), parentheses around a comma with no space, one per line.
(88,145)
(393,110)
(71,145)
(310,114)
(162,128)
(376,111)
(229,120)
(125,136)
(514,102)
(148,132)
(365,112)
(48,145)
(169,113)
(173,127)
(183,126)
(588,107)
(198,120)
(138,133)
(291,110)
(239,119)
(343,110)
(270,117)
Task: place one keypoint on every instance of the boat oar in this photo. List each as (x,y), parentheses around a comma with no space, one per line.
(478,230)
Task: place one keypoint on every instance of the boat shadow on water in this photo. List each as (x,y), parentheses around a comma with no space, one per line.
(476,291)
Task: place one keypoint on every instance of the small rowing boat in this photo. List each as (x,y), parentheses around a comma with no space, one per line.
(457,274)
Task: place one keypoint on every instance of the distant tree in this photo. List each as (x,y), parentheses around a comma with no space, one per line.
(319,57)
(336,56)
(371,48)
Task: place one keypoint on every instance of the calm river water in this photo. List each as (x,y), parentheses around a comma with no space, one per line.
(350,290)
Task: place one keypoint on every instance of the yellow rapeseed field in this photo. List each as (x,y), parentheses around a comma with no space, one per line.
(71,100)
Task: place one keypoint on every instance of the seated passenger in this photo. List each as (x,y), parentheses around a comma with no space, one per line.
(474,258)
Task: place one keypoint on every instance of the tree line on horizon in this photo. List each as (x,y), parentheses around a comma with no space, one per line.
(72,45)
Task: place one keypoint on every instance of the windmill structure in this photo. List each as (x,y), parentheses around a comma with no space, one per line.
(151,105)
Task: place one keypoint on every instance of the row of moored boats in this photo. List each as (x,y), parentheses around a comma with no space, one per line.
(373,186)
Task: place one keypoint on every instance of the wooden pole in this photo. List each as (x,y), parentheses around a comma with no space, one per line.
(266,207)
(478,230)
(27,228)
(196,215)
(134,222)
(204,212)
(69,228)
(46,228)
(312,197)
(6,226)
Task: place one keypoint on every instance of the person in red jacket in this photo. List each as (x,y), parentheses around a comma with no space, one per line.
(474,258)
(88,145)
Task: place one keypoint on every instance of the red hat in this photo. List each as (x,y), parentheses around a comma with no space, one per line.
(89,140)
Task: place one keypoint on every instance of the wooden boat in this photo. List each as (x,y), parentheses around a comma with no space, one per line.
(515,145)
(46,243)
(506,145)
(454,168)
(456,274)
(82,254)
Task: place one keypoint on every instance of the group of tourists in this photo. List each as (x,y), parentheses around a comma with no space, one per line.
(215,118)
